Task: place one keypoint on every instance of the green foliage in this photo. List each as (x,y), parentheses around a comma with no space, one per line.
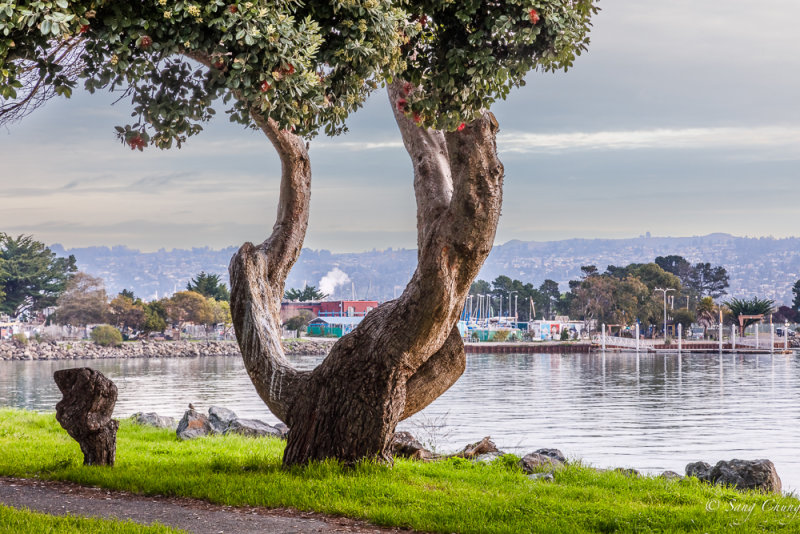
(451,496)
(27,522)
(683,317)
(308,293)
(189,307)
(20,339)
(699,280)
(127,312)
(501,335)
(463,56)
(106,336)
(753,306)
(155,317)
(564,335)
(299,321)
(795,292)
(305,65)
(210,286)
(31,276)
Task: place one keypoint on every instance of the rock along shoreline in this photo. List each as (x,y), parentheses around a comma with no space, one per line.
(86,350)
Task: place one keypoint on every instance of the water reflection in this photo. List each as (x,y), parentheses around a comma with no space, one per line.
(651,412)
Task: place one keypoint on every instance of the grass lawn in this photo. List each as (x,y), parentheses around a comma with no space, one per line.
(450,496)
(24,521)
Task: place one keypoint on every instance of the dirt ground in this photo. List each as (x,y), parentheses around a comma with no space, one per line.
(200,517)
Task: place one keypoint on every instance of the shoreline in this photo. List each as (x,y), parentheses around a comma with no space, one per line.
(87,350)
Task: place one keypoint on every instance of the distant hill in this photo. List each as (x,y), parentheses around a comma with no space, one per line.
(766,267)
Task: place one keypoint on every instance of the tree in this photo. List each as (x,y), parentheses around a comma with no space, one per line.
(299,321)
(308,293)
(710,281)
(189,307)
(549,289)
(127,312)
(683,317)
(31,276)
(291,69)
(796,293)
(210,286)
(753,306)
(155,317)
(707,313)
(83,302)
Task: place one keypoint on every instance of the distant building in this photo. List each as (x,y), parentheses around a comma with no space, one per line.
(332,326)
(328,308)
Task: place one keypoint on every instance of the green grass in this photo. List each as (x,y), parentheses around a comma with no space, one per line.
(24,522)
(449,496)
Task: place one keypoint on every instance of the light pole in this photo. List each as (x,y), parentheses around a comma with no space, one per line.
(665,291)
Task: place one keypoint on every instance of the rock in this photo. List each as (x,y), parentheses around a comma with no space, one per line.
(530,463)
(153,419)
(405,445)
(545,477)
(555,454)
(283,429)
(742,474)
(220,418)
(476,449)
(193,425)
(252,428)
(698,469)
(85,413)
(670,475)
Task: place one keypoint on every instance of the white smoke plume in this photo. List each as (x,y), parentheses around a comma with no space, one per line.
(332,280)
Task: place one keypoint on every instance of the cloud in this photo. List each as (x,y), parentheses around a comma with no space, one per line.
(659,139)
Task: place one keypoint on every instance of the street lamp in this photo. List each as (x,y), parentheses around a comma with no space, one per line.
(665,291)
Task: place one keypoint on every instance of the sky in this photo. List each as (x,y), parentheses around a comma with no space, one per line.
(681,119)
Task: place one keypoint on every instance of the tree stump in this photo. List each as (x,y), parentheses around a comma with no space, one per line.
(85,413)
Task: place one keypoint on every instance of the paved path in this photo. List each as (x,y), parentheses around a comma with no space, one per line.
(200,517)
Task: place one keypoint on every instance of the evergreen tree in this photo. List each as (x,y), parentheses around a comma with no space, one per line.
(210,286)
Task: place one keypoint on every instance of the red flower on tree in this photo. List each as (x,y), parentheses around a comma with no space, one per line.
(145,42)
(84,28)
(408,87)
(233,9)
(417,118)
(265,86)
(461,126)
(534,16)
(401,105)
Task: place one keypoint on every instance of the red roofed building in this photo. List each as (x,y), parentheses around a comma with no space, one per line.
(328,308)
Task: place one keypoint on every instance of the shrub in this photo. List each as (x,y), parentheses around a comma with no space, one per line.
(106,336)
(20,339)
(565,335)
(299,321)
(501,335)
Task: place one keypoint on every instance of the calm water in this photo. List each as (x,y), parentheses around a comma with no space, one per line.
(650,412)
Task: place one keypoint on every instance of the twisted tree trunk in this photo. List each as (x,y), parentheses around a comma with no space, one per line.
(406,352)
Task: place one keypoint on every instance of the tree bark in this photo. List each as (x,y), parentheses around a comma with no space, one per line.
(85,413)
(408,351)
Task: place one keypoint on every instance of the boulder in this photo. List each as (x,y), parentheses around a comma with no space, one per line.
(698,469)
(555,454)
(193,425)
(473,450)
(545,477)
(252,428)
(405,445)
(533,462)
(670,475)
(153,419)
(742,474)
(283,429)
(220,418)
